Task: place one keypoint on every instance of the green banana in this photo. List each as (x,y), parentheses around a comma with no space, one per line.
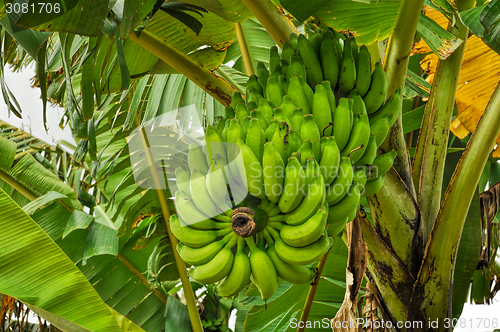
(383,163)
(256,114)
(314,198)
(273,126)
(310,131)
(306,150)
(219,125)
(229,112)
(287,51)
(277,71)
(251,106)
(194,238)
(298,256)
(252,96)
(392,107)
(363,71)
(369,154)
(203,255)
(284,67)
(305,234)
(190,214)
(293,139)
(262,74)
(245,124)
(283,83)
(201,197)
(241,112)
(336,228)
(297,119)
(273,172)
(218,268)
(342,123)
(330,95)
(239,276)
(296,91)
(234,132)
(339,187)
(295,274)
(274,92)
(250,169)
(330,161)
(217,181)
(311,170)
(293,191)
(279,140)
(360,175)
(287,106)
(256,138)
(373,186)
(360,135)
(274,58)
(237,99)
(310,60)
(182,180)
(253,82)
(308,91)
(316,40)
(322,112)
(380,128)
(296,68)
(347,76)
(264,274)
(330,61)
(375,97)
(294,41)
(197,158)
(281,117)
(265,110)
(338,212)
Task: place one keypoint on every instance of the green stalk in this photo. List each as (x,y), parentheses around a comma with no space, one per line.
(181,267)
(204,78)
(272,19)
(389,273)
(244,49)
(25,191)
(396,65)
(431,298)
(312,292)
(430,157)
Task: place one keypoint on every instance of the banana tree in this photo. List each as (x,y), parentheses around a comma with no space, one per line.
(117,66)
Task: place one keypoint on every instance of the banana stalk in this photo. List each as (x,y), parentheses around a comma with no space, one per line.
(429,162)
(245,51)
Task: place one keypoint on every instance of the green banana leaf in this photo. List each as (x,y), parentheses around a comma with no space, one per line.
(36,271)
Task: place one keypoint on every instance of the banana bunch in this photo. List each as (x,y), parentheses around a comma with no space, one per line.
(286,168)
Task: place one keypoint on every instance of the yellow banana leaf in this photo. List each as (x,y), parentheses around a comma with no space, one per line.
(479,76)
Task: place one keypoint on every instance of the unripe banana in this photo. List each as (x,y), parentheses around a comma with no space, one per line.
(347,76)
(201,197)
(363,71)
(274,92)
(217,181)
(330,95)
(330,61)
(369,154)
(306,151)
(295,274)
(190,214)
(182,180)
(316,40)
(287,52)
(339,187)
(192,237)
(252,95)
(197,158)
(298,256)
(254,82)
(203,255)
(293,139)
(274,58)
(229,112)
(336,228)
(264,274)
(293,190)
(305,234)
(265,110)
(237,99)
(373,186)
(218,268)
(314,198)
(360,134)
(287,106)
(383,163)
(322,112)
(273,172)
(375,97)
(380,128)
(262,74)
(284,67)
(342,123)
(251,106)
(256,138)
(281,117)
(256,114)
(219,125)
(273,126)
(310,60)
(277,71)
(360,175)
(245,124)
(308,91)
(283,83)
(311,170)
(310,131)
(296,68)
(250,170)
(330,161)
(297,119)
(239,276)
(280,142)
(294,41)
(338,212)
(296,91)
(392,108)
(241,112)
